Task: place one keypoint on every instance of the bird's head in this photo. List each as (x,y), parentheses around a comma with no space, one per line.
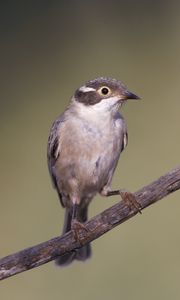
(103,94)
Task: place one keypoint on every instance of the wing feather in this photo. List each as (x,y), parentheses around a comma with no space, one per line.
(123,135)
(125,140)
(53,151)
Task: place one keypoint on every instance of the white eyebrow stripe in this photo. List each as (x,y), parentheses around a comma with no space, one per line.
(86,89)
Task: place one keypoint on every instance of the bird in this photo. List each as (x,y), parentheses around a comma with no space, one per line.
(84,146)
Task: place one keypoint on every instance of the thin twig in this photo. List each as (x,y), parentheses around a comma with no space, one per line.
(97,226)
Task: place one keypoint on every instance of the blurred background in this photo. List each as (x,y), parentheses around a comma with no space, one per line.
(48,49)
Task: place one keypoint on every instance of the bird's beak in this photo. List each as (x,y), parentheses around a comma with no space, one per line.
(129,95)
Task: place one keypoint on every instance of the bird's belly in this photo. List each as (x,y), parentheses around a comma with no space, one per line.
(85,168)
(105,164)
(86,161)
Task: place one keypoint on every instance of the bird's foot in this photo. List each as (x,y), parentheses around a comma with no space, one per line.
(78,228)
(130,200)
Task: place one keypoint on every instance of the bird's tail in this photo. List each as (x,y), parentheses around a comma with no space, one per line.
(80,254)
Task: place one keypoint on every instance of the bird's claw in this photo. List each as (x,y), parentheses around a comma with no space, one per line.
(130,201)
(77,229)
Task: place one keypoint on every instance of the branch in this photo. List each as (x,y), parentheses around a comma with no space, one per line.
(97,226)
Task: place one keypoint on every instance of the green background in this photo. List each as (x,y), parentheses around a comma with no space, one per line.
(48,49)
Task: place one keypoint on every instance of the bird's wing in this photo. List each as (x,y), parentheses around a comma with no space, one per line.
(122,130)
(54,150)
(125,139)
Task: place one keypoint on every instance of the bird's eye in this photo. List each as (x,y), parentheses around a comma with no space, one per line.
(104,90)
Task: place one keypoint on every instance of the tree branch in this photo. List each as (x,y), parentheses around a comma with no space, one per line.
(97,226)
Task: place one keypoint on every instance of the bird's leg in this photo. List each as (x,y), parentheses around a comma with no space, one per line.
(128,198)
(76,226)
